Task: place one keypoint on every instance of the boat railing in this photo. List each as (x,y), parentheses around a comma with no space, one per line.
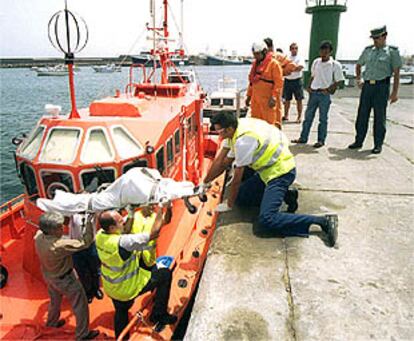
(130,85)
(10,212)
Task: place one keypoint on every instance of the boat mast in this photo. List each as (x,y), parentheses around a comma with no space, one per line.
(181,33)
(164,51)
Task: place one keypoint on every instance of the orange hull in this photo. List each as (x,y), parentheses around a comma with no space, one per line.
(24,299)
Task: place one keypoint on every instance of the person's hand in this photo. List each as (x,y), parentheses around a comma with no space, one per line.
(248,99)
(272,102)
(308,89)
(223,207)
(360,83)
(393,97)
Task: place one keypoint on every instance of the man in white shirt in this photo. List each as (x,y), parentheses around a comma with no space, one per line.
(326,76)
(293,85)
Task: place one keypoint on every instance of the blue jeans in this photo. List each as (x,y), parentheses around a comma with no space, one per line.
(271,221)
(323,102)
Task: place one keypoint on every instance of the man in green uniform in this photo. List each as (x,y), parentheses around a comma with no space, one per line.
(381,61)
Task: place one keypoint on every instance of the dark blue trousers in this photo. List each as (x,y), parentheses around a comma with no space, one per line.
(372,97)
(253,192)
(88,267)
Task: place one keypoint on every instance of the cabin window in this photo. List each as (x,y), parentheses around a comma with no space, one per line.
(170,152)
(160,160)
(97,148)
(136,163)
(61,145)
(91,180)
(228,101)
(177,141)
(127,147)
(53,181)
(215,101)
(29,181)
(30,148)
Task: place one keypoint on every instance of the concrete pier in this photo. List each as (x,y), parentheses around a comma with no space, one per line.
(299,289)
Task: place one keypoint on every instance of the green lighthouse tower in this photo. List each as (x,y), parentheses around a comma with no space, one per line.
(325,26)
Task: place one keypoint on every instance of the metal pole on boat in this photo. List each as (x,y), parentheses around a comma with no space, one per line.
(69,57)
(69,52)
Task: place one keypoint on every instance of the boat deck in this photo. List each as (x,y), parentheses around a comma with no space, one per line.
(24,300)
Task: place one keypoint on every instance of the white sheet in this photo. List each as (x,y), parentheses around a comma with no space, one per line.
(133,187)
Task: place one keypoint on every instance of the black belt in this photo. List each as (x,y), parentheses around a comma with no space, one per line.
(65,274)
(381,81)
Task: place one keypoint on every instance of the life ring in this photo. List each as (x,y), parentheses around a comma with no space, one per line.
(51,189)
(4,275)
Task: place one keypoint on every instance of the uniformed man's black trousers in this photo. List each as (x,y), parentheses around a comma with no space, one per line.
(373,96)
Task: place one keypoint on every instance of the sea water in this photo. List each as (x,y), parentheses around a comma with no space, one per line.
(23,97)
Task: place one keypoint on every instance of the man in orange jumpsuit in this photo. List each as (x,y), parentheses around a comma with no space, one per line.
(265,86)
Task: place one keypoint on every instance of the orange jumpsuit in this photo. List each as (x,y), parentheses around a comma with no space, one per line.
(265,81)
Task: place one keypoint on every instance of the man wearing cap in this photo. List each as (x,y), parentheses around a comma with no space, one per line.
(265,85)
(381,61)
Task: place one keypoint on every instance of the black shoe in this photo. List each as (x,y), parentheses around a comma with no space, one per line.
(163,319)
(318,144)
(91,335)
(331,229)
(99,294)
(376,150)
(355,146)
(298,141)
(90,299)
(58,324)
(291,199)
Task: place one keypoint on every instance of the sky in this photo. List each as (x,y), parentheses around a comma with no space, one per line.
(117,26)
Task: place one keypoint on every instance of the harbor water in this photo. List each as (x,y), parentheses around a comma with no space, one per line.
(24,95)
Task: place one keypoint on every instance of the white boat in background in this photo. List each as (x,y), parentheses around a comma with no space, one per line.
(109,68)
(227,98)
(57,70)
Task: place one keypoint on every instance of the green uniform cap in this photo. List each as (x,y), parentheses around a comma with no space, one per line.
(379,31)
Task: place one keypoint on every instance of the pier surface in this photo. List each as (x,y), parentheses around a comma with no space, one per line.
(300,289)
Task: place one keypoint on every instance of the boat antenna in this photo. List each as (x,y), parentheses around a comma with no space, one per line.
(77,45)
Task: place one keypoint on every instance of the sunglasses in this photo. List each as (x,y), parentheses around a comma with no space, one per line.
(375,38)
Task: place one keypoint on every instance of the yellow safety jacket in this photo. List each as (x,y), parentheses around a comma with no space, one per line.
(124,280)
(272,158)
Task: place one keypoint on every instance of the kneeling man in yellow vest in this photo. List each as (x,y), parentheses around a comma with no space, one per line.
(127,254)
(263,149)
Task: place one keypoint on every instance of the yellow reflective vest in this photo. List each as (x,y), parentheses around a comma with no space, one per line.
(272,158)
(124,280)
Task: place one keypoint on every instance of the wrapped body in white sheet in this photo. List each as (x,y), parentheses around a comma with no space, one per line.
(138,186)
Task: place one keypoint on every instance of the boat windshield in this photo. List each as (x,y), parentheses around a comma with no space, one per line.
(61,145)
(97,148)
(126,146)
(31,147)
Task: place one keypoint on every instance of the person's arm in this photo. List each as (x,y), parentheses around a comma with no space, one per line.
(394,92)
(358,78)
(235,185)
(130,219)
(219,165)
(69,246)
(277,77)
(358,69)
(396,64)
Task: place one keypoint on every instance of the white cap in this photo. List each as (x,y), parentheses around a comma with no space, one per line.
(259,46)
